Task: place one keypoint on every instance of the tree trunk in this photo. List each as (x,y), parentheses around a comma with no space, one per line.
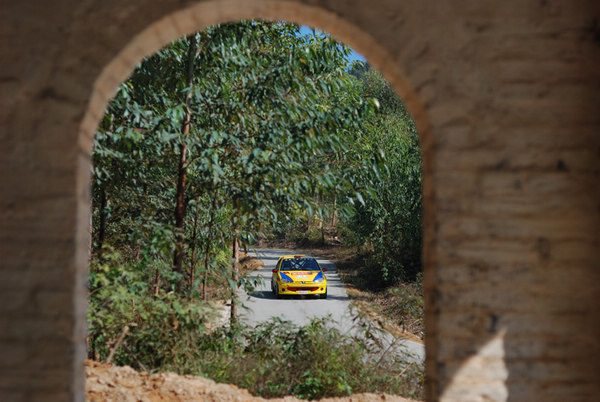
(235,275)
(138,251)
(334,213)
(104,200)
(193,256)
(102,230)
(205,281)
(157,282)
(207,248)
(182,170)
(323,230)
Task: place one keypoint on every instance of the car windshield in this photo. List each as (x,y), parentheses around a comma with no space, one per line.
(300,264)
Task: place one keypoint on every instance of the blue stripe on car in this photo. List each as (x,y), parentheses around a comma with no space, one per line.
(285,278)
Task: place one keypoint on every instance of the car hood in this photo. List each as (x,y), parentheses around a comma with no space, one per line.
(301,276)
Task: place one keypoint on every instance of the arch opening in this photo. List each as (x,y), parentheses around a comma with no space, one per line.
(109,74)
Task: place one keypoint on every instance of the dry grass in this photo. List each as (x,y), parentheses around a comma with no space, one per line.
(249,263)
(218,287)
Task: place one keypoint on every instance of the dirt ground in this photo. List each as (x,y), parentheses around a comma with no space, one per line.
(123,384)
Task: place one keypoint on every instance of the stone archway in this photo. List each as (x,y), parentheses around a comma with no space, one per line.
(505,96)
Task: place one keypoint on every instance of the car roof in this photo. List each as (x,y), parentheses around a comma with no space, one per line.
(292,256)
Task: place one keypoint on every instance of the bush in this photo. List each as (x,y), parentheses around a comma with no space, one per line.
(386,222)
(160,326)
(278,358)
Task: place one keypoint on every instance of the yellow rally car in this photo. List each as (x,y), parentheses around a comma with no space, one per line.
(298,275)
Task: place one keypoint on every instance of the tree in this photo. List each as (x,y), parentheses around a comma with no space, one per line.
(239,112)
(388,221)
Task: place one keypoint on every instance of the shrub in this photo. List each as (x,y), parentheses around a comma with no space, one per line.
(160,326)
(314,361)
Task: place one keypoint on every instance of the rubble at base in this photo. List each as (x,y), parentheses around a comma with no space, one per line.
(123,384)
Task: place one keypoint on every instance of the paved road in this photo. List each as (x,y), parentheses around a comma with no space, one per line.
(262,304)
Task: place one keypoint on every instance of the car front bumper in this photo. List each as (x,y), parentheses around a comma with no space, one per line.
(306,289)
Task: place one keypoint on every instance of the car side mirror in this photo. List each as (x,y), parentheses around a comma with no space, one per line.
(275,270)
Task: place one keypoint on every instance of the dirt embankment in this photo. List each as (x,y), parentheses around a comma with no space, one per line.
(123,384)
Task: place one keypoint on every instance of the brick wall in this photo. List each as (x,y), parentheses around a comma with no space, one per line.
(507,99)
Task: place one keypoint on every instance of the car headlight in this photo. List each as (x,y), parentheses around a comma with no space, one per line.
(285,278)
(319,278)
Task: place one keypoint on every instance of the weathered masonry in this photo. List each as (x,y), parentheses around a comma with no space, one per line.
(506,95)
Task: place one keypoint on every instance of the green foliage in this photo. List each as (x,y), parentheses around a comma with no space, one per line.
(386,222)
(376,190)
(161,327)
(265,115)
(278,358)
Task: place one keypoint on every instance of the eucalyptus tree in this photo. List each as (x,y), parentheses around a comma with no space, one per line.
(388,221)
(230,122)
(269,118)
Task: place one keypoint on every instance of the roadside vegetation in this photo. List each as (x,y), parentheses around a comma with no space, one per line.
(398,308)
(376,244)
(314,361)
(244,132)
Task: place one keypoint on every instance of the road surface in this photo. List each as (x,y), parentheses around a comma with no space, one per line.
(262,305)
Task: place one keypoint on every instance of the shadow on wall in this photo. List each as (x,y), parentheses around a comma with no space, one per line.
(466,382)
(522,356)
